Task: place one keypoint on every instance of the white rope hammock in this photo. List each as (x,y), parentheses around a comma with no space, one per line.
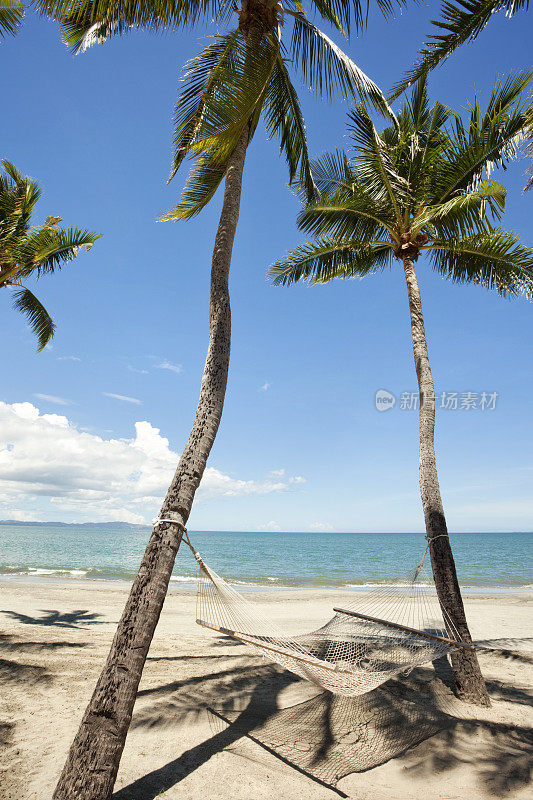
(393,630)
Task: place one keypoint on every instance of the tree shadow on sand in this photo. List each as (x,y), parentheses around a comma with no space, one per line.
(9,643)
(326,737)
(65,619)
(12,672)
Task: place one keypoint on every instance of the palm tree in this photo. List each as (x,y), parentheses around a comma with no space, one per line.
(241,76)
(460,22)
(27,251)
(11,16)
(416,188)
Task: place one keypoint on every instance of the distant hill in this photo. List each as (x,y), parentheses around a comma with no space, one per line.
(121,525)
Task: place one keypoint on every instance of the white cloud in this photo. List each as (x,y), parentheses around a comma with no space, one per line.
(138,371)
(172,367)
(269,526)
(51,469)
(68,358)
(321,526)
(297,479)
(265,387)
(124,398)
(51,398)
(277,473)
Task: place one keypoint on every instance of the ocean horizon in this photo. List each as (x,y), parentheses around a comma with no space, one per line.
(267,559)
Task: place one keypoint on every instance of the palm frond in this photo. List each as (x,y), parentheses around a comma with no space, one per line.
(461,21)
(356,217)
(38,317)
(346,11)
(496,260)
(284,119)
(11,16)
(325,259)
(464,215)
(88,22)
(332,173)
(327,70)
(202,76)
(237,97)
(377,171)
(485,141)
(528,131)
(46,249)
(203,181)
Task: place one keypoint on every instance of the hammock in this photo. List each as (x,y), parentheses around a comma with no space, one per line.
(355,651)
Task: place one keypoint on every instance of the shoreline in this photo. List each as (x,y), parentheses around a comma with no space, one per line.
(189,587)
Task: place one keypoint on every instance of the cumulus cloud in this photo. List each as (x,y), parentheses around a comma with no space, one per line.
(321,526)
(265,387)
(51,398)
(124,398)
(51,469)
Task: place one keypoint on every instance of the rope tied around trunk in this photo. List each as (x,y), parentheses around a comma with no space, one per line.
(421,562)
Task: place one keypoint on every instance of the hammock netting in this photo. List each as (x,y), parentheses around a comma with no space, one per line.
(349,655)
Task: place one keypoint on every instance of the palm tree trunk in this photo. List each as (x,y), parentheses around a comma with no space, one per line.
(94,757)
(467,674)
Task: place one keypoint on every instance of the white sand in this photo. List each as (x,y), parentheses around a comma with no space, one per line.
(55,636)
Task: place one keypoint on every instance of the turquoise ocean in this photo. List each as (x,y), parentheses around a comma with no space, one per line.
(483,560)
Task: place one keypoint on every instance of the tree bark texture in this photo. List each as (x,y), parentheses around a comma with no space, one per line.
(467,674)
(92,764)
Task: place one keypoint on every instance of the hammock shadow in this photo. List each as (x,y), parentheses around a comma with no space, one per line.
(325,737)
(328,737)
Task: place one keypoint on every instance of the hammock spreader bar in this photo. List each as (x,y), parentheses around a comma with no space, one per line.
(317,662)
(405,628)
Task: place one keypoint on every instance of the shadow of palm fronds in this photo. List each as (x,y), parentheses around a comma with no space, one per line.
(501,755)
(10,644)
(65,619)
(14,672)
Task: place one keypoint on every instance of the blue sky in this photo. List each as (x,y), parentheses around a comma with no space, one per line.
(301,446)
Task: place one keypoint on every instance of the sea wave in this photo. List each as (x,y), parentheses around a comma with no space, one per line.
(75,573)
(261,582)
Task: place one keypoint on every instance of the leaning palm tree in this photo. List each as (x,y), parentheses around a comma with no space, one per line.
(27,251)
(239,77)
(460,22)
(417,189)
(11,16)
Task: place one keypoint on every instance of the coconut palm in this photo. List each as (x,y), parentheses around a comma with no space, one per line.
(11,16)
(460,22)
(417,189)
(27,251)
(241,76)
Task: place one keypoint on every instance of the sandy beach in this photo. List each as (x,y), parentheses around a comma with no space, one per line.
(214,722)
